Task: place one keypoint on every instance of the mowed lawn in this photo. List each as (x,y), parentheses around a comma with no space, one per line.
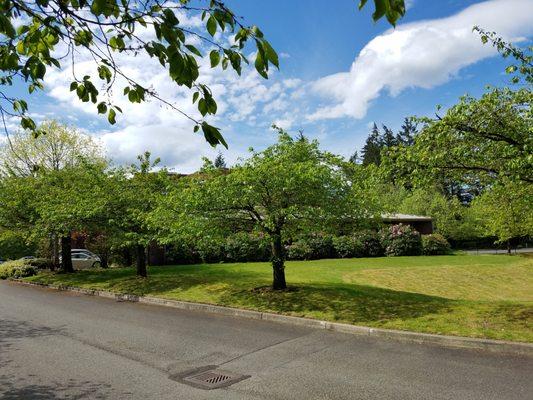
(488,296)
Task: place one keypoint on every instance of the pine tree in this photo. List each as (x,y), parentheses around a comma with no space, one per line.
(407,133)
(220,162)
(354,158)
(388,139)
(372,147)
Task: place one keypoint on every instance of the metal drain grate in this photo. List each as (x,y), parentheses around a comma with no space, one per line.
(209,378)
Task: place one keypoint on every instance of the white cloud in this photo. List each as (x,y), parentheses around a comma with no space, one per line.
(159,129)
(420,54)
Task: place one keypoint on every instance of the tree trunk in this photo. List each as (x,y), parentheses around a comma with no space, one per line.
(66,254)
(55,252)
(278,263)
(104,259)
(141,261)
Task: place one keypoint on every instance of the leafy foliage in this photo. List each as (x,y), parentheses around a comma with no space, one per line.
(509,207)
(290,187)
(522,69)
(16,269)
(348,246)
(477,139)
(401,240)
(435,245)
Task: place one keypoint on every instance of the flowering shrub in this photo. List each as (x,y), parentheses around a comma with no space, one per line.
(435,244)
(371,242)
(401,240)
(348,246)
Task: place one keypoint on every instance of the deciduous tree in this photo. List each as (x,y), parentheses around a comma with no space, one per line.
(291,186)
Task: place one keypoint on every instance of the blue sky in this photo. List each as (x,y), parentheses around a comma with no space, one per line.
(340,72)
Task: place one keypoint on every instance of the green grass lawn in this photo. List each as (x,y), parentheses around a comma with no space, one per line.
(488,296)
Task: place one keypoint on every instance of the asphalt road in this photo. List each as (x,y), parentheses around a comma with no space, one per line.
(55,345)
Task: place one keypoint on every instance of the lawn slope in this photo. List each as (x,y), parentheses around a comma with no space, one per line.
(489,296)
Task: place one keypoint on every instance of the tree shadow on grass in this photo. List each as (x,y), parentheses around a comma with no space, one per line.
(162,280)
(346,303)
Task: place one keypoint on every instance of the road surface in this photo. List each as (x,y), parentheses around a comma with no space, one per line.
(56,345)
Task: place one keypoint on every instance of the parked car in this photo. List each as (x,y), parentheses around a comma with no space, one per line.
(27,258)
(84,259)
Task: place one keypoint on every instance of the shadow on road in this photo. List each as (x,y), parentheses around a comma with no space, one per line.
(12,387)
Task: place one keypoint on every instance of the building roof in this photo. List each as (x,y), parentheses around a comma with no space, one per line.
(404,217)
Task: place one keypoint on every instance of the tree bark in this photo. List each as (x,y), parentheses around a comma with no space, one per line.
(278,263)
(66,254)
(104,259)
(141,260)
(55,252)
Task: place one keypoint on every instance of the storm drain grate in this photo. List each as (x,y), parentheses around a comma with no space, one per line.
(210,379)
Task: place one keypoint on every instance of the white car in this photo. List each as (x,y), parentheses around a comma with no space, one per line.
(84,259)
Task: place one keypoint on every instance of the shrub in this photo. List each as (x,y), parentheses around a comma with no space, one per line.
(181,253)
(401,240)
(435,244)
(40,263)
(299,250)
(312,247)
(246,247)
(348,246)
(371,244)
(16,269)
(210,250)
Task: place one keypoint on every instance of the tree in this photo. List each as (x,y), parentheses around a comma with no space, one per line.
(354,158)
(60,146)
(388,139)
(372,147)
(219,162)
(289,187)
(139,186)
(506,211)
(69,200)
(52,33)
(476,140)
(407,133)
(450,217)
(17,206)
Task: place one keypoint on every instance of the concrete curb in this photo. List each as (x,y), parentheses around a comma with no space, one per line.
(489,345)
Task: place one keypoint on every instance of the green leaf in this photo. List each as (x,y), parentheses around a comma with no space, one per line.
(212,26)
(214,56)
(260,65)
(271,54)
(111,116)
(212,135)
(193,50)
(102,108)
(6,27)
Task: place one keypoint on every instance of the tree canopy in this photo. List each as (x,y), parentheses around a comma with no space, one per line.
(289,187)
